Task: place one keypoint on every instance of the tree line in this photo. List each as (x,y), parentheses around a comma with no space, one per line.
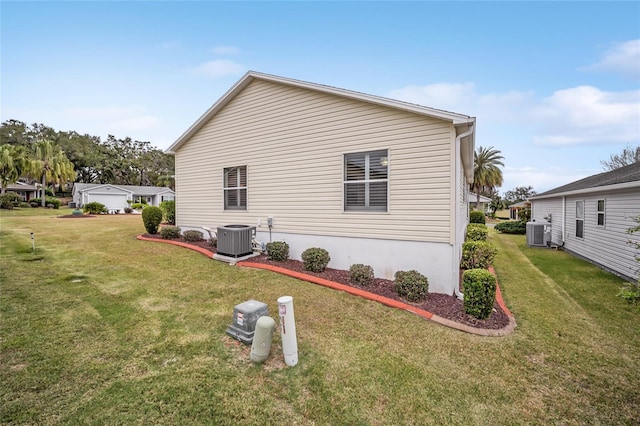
(93,160)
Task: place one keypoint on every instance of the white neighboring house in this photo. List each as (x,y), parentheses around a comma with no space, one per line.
(590,218)
(371,180)
(115,197)
(484,202)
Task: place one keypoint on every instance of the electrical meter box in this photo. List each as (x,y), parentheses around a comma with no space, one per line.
(245,316)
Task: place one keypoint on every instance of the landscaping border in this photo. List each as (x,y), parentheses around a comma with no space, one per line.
(508,329)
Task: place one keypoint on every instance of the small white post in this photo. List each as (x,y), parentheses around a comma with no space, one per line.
(33,243)
(288,330)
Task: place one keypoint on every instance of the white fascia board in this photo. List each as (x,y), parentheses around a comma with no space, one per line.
(105,185)
(595,189)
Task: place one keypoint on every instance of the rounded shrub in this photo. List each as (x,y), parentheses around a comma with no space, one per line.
(512,227)
(138,206)
(152,217)
(170,232)
(191,235)
(360,274)
(479,292)
(476,216)
(278,251)
(477,232)
(411,285)
(477,254)
(95,208)
(315,259)
(9,200)
(213,242)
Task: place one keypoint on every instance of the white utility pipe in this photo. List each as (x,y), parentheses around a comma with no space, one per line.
(288,330)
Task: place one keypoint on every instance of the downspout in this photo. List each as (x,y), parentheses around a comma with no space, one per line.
(564,217)
(456,280)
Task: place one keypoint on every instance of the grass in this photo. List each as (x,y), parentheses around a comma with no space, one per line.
(97,327)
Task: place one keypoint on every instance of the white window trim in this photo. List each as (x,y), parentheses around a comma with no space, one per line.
(230,188)
(365,181)
(602,212)
(580,218)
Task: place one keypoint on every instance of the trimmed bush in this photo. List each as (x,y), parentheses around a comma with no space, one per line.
(477,232)
(315,259)
(477,254)
(170,232)
(479,292)
(151,217)
(278,251)
(411,285)
(128,210)
(9,200)
(49,202)
(476,216)
(213,242)
(138,206)
(192,235)
(361,274)
(24,205)
(512,227)
(95,208)
(169,210)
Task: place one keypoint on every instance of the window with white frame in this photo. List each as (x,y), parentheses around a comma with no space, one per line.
(366,181)
(235,188)
(601,212)
(580,219)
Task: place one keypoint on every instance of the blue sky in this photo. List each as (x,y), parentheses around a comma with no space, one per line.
(555,86)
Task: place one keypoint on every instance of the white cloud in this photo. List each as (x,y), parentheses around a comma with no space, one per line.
(542,178)
(623,58)
(219,68)
(120,121)
(587,115)
(225,50)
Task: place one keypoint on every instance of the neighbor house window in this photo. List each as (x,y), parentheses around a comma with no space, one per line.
(235,188)
(365,181)
(601,206)
(580,219)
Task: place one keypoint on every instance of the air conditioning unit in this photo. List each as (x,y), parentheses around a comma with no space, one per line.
(235,240)
(538,234)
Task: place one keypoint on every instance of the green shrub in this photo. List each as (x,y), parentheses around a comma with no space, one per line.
(512,227)
(9,200)
(278,251)
(95,208)
(411,285)
(477,254)
(151,217)
(23,205)
(35,202)
(477,232)
(138,206)
(361,274)
(191,235)
(315,259)
(213,242)
(170,232)
(49,202)
(479,292)
(128,210)
(476,216)
(169,210)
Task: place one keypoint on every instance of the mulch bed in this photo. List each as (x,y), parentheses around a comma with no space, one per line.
(443,305)
(75,216)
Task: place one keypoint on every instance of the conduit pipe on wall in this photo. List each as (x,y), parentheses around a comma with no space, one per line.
(456,257)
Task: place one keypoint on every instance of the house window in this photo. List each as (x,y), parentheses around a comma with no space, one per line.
(365,181)
(580,219)
(601,206)
(235,188)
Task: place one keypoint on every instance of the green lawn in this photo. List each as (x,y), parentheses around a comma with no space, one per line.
(99,328)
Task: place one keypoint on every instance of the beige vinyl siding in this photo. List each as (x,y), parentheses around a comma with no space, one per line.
(293,142)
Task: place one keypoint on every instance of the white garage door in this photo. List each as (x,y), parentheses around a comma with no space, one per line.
(111,201)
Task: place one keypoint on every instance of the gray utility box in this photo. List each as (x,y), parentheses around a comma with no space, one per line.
(245,316)
(235,240)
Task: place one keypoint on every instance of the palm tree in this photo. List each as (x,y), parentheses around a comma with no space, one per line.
(13,163)
(51,165)
(486,174)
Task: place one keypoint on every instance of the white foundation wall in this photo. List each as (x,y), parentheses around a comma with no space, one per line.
(433,260)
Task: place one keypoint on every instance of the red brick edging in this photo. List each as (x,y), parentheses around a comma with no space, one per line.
(365,294)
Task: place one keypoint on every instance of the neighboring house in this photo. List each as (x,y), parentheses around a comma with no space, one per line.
(24,190)
(514,209)
(590,218)
(115,197)
(372,180)
(484,202)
